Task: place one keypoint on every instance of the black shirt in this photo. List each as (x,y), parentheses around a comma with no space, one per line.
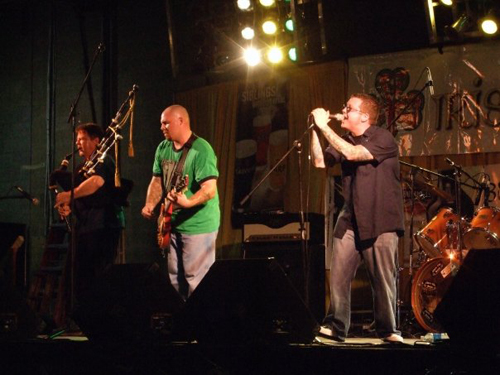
(373,200)
(99,210)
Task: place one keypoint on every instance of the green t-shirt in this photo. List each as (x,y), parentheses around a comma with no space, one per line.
(200,165)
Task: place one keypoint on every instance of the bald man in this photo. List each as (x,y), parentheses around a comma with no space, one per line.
(196,217)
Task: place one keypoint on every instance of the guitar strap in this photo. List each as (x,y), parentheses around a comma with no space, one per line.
(177,175)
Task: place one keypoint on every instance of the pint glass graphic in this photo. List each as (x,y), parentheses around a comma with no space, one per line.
(261,129)
(244,169)
(278,145)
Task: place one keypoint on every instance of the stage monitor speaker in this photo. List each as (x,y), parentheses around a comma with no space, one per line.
(246,301)
(17,320)
(129,302)
(290,257)
(470,309)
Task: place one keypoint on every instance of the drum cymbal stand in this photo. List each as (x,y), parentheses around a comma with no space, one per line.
(410,318)
(456,255)
(399,302)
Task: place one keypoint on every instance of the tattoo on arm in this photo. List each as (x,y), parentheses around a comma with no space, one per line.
(317,151)
(349,151)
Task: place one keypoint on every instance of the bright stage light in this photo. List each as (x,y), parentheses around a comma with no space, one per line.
(289,24)
(243,4)
(274,55)
(252,56)
(448,3)
(266,3)
(489,24)
(269,27)
(489,27)
(292,54)
(248,33)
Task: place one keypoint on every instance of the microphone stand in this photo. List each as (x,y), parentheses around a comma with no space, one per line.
(458,189)
(72,120)
(297,145)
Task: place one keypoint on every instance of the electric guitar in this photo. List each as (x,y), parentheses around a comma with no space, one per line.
(165,218)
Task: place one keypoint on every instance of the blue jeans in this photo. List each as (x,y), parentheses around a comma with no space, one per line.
(190,256)
(381,260)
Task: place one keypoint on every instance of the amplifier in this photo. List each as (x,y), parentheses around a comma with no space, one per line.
(278,227)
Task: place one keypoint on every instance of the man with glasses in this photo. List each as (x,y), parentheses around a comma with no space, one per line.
(371,219)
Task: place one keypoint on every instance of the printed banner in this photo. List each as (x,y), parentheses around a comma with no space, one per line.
(261,141)
(462,116)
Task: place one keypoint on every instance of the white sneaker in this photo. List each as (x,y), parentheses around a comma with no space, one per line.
(323,330)
(393,337)
(328,332)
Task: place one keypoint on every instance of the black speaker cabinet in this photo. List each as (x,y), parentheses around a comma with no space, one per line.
(470,309)
(17,320)
(129,302)
(247,301)
(290,256)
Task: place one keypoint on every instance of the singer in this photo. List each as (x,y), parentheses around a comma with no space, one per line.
(371,219)
(99,219)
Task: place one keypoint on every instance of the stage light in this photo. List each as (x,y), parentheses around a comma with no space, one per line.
(448,3)
(251,56)
(274,55)
(244,4)
(489,27)
(267,3)
(292,54)
(289,26)
(248,33)
(489,24)
(269,27)
(456,30)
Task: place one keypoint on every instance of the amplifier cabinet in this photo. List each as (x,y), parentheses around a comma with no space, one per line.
(290,257)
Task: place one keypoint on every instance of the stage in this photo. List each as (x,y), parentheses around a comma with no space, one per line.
(76,355)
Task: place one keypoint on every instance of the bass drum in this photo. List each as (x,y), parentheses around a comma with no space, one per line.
(430,284)
(485,229)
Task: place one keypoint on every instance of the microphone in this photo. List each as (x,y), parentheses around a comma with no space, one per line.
(27,195)
(430,82)
(337,116)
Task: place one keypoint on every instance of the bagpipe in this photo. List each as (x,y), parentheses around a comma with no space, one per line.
(111,138)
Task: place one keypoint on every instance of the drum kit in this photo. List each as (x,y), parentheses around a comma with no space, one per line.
(445,241)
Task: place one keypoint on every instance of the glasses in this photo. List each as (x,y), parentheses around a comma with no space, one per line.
(349,109)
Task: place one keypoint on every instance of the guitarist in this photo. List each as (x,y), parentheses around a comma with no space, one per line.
(195,219)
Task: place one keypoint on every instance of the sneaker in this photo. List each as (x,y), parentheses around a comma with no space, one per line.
(393,338)
(328,333)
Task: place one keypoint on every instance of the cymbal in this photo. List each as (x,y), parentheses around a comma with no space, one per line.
(430,188)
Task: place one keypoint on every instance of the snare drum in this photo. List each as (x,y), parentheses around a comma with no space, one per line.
(430,284)
(485,229)
(434,238)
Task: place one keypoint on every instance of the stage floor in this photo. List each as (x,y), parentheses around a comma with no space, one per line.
(75,355)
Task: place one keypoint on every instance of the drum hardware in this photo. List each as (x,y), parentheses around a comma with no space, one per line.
(431,189)
(442,241)
(484,232)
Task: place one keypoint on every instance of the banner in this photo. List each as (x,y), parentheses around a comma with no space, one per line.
(261,141)
(462,116)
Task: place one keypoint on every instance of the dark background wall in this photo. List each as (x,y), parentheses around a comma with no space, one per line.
(136,52)
(46,47)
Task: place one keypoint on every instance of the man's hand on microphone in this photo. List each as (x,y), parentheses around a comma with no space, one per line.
(321,118)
